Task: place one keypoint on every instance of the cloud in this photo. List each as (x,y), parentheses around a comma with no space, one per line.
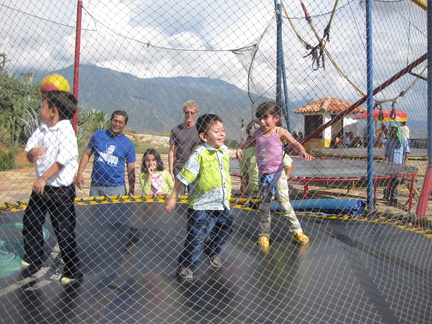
(194,38)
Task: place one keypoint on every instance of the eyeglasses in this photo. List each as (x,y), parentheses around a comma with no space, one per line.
(189,112)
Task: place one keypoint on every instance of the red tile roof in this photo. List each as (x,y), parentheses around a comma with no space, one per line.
(328,104)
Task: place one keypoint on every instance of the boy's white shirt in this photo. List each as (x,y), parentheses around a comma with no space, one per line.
(61,146)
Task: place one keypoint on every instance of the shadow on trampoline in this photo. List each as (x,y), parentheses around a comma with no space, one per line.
(355,271)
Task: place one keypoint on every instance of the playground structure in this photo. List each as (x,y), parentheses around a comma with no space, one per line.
(373,267)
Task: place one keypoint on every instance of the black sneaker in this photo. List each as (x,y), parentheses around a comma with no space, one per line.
(185,273)
(215,261)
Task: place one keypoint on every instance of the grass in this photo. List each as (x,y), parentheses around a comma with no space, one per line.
(7,161)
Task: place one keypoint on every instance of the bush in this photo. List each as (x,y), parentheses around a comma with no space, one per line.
(7,161)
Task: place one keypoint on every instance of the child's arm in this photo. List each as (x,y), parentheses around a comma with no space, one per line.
(35,153)
(145,180)
(249,143)
(79,180)
(40,183)
(286,137)
(171,201)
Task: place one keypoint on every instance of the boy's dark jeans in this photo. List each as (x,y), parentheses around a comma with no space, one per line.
(59,203)
(207,232)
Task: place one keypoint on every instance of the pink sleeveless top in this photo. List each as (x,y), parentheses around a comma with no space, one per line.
(269,151)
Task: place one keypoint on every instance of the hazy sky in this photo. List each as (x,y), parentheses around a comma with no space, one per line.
(153,39)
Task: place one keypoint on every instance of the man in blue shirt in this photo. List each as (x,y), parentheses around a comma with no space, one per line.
(112,151)
(396,151)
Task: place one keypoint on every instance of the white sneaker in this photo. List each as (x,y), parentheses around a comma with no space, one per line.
(24,263)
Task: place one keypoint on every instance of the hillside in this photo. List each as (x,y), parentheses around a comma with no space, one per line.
(154,105)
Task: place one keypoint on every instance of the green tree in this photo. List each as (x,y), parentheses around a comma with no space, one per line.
(90,121)
(17,98)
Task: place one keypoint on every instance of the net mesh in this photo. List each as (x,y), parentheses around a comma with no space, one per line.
(362,264)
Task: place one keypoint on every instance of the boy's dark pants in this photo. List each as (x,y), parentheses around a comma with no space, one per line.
(59,203)
(207,232)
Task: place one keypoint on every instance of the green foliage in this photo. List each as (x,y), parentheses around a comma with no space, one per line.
(18,97)
(90,121)
(7,161)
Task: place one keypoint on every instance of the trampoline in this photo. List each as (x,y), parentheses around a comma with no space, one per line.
(361,153)
(337,171)
(365,269)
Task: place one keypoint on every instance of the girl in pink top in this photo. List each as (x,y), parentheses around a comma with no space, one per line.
(269,142)
(155,180)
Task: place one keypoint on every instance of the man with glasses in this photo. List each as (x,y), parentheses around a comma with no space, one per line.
(184,138)
(112,151)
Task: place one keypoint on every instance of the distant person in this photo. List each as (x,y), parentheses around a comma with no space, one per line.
(347,140)
(113,151)
(269,141)
(209,221)
(405,130)
(381,135)
(365,136)
(338,141)
(397,151)
(53,147)
(155,180)
(183,139)
(248,166)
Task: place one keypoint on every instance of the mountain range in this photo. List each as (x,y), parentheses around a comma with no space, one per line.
(155,105)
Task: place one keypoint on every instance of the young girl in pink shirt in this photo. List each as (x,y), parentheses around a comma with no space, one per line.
(269,142)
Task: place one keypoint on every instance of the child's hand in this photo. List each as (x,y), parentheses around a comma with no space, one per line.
(36,153)
(239,154)
(39,186)
(307,156)
(151,170)
(170,204)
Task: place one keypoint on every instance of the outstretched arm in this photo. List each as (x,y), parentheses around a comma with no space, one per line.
(249,143)
(286,137)
(171,201)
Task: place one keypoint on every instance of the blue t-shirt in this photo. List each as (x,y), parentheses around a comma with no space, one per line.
(111,153)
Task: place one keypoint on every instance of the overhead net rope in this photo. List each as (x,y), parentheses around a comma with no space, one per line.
(357,269)
(319,52)
(322,48)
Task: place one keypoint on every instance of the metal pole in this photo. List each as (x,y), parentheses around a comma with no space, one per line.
(278,55)
(280,67)
(427,182)
(77,60)
(370,105)
(285,87)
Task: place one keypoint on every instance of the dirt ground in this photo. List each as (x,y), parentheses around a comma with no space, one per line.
(16,185)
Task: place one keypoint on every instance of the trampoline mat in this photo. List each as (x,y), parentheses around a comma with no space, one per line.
(346,169)
(362,152)
(352,271)
(342,169)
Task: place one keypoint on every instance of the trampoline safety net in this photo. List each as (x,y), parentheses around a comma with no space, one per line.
(89,231)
